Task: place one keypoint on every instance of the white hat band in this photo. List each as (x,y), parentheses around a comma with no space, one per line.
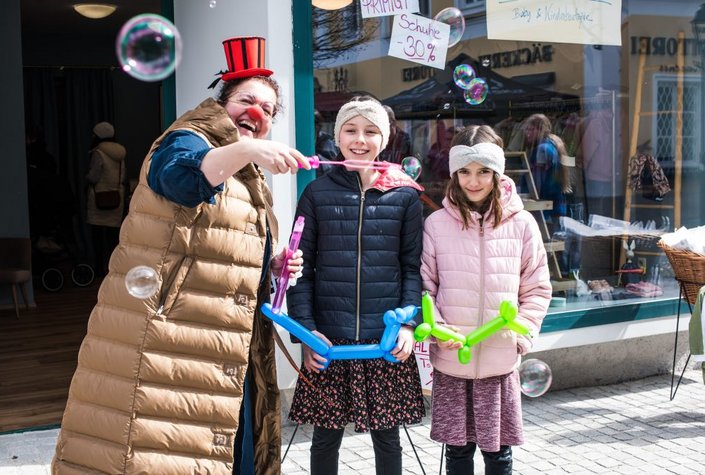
(370,110)
(485,153)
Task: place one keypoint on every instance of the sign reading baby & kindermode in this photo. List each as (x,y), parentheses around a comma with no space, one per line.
(591,22)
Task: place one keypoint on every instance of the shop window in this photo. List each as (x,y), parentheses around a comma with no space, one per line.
(609,106)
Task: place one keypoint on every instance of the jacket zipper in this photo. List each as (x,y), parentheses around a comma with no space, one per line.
(481,315)
(359,258)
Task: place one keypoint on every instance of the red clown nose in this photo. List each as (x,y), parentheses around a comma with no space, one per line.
(255,112)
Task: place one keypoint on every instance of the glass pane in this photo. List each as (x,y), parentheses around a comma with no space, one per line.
(629,120)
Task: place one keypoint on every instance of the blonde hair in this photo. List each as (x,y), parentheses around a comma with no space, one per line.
(473,135)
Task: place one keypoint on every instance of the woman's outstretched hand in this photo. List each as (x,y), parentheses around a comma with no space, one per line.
(275,157)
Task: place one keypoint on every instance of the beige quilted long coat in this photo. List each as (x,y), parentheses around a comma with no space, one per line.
(159,381)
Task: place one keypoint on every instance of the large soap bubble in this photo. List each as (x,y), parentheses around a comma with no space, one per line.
(142,282)
(411,166)
(462,75)
(148,47)
(535,377)
(476,92)
(454,18)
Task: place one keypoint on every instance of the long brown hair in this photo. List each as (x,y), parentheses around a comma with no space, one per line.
(470,136)
(542,124)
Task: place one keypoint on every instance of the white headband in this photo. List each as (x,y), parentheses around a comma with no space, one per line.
(370,110)
(485,153)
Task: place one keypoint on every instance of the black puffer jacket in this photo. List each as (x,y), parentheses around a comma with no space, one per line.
(361,257)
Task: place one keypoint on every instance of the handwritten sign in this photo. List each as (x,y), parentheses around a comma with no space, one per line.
(578,21)
(423,361)
(420,40)
(375,8)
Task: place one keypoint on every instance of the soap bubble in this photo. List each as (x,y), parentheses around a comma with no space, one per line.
(411,166)
(148,47)
(446,106)
(462,75)
(454,18)
(486,63)
(142,282)
(211,3)
(535,377)
(476,92)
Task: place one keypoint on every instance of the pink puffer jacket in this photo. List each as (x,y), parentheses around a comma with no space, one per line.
(470,271)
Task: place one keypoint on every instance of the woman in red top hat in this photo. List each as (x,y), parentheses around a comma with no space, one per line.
(184,380)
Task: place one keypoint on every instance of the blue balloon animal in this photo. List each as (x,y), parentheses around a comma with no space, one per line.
(393,320)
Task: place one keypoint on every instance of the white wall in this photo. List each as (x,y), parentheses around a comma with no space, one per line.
(203,30)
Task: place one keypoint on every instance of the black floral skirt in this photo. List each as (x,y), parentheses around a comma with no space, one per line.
(373,394)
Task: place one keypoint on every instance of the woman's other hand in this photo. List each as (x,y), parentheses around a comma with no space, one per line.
(312,360)
(294,265)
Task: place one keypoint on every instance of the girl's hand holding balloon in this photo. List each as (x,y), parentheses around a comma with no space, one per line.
(450,344)
(312,360)
(405,344)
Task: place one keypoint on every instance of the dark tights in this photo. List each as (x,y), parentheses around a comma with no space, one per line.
(459,460)
(325,447)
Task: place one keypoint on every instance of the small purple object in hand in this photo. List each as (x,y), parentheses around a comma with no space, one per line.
(286,274)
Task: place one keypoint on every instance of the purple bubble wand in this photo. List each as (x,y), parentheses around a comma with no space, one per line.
(285,273)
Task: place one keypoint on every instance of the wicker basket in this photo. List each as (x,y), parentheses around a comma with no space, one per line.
(689,269)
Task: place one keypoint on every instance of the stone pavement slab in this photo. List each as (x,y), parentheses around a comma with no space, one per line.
(624,428)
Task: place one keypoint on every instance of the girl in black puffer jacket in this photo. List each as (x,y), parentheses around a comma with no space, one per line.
(361,247)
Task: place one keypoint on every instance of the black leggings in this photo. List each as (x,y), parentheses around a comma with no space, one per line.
(459,460)
(325,447)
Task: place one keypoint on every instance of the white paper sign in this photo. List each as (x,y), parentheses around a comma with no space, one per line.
(587,22)
(420,40)
(421,351)
(375,8)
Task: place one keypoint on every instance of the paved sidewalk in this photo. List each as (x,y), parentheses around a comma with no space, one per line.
(619,429)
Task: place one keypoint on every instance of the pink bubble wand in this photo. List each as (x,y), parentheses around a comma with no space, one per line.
(359,164)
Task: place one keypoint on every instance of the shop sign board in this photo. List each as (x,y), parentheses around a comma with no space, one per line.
(375,8)
(419,39)
(591,22)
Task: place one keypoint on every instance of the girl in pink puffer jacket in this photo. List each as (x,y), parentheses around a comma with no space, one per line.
(480,249)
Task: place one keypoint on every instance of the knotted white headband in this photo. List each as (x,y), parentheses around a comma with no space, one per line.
(370,110)
(486,154)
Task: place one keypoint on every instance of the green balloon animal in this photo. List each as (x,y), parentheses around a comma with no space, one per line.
(429,327)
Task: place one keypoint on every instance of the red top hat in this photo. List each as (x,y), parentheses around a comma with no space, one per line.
(245,56)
